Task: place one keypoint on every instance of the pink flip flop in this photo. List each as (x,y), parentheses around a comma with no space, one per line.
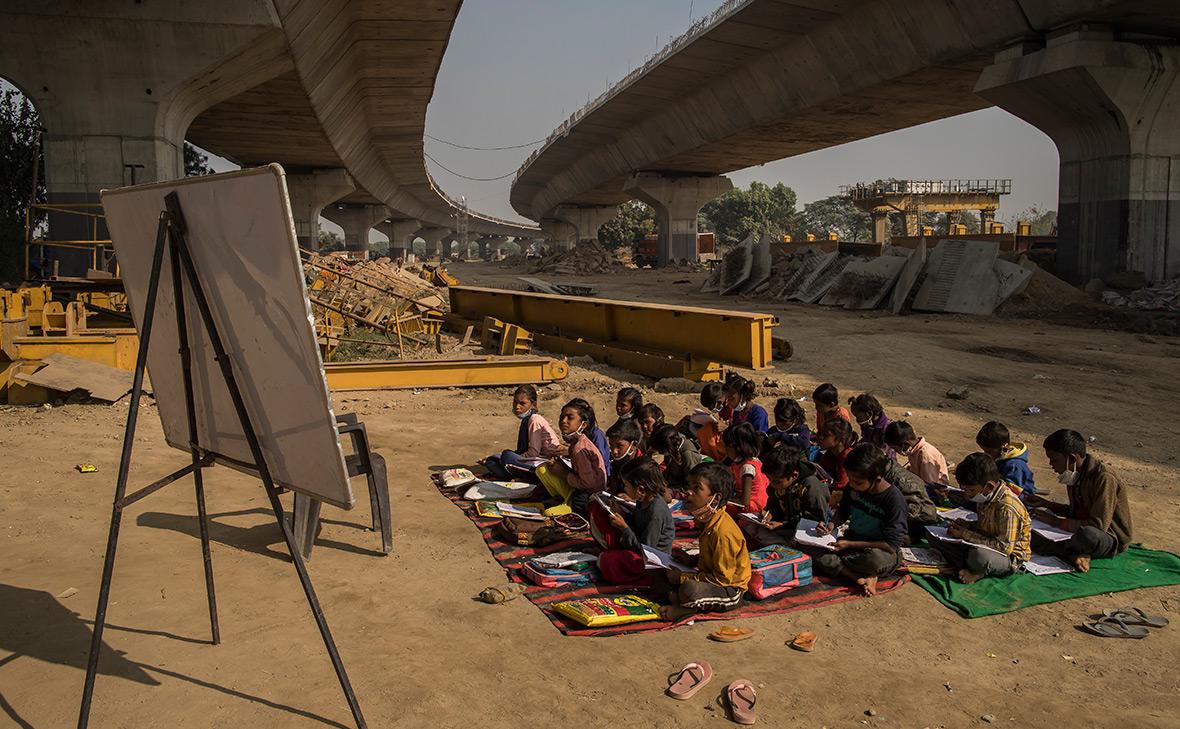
(741,698)
(690,679)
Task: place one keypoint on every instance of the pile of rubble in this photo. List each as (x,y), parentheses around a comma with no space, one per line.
(1161,297)
(957,276)
(583,258)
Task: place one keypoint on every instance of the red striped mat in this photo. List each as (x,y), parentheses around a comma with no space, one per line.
(511,557)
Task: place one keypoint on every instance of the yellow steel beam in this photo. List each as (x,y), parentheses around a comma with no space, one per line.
(737,338)
(114,348)
(473,372)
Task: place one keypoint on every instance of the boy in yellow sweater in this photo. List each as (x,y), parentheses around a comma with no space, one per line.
(723,565)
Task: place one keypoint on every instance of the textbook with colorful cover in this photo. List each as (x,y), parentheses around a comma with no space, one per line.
(596,612)
(501,509)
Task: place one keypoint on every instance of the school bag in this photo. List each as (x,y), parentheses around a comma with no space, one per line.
(574,575)
(533,533)
(776,569)
(454,478)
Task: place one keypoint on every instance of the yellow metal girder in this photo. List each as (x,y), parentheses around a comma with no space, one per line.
(114,348)
(472,372)
(737,338)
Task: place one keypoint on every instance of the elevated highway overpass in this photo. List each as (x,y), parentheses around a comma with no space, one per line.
(767,79)
(334,90)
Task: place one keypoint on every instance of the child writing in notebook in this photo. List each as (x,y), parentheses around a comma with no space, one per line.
(790,426)
(648,523)
(836,439)
(1003,525)
(739,395)
(827,405)
(795,493)
(742,445)
(875,512)
(535,438)
(871,417)
(723,564)
(572,485)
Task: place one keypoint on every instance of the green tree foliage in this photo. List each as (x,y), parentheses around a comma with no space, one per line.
(834,214)
(761,209)
(634,221)
(19,124)
(329,242)
(1043,222)
(196,162)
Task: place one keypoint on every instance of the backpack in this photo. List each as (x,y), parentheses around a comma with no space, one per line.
(776,569)
(575,575)
(533,533)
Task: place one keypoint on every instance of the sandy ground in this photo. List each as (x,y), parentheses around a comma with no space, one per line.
(421,653)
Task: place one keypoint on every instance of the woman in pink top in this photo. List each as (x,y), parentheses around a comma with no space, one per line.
(925,461)
(586,473)
(534,439)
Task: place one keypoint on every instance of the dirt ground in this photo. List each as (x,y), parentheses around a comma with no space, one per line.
(420,652)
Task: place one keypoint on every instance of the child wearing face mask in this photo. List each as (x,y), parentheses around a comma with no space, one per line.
(680,455)
(535,438)
(875,511)
(623,439)
(1003,524)
(627,404)
(596,434)
(873,421)
(743,444)
(723,564)
(790,426)
(573,485)
(649,523)
(1097,513)
(648,418)
(704,423)
(739,395)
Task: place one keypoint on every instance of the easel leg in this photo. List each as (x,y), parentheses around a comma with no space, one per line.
(108,567)
(199,482)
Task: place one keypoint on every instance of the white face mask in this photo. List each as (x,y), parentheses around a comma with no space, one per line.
(574,435)
(979,498)
(1068,478)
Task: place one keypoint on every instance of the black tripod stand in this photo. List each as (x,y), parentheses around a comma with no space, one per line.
(170,235)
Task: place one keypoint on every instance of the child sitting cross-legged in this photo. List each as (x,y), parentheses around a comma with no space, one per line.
(535,437)
(623,439)
(742,445)
(587,475)
(723,564)
(875,511)
(795,493)
(1004,525)
(679,452)
(647,523)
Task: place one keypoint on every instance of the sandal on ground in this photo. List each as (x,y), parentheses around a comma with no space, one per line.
(730,634)
(684,684)
(741,697)
(1136,616)
(805,641)
(1114,628)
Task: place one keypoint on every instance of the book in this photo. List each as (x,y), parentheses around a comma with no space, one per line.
(1043,564)
(940,533)
(806,534)
(923,556)
(1050,532)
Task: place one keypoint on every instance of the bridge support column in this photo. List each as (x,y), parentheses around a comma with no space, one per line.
(910,218)
(1113,110)
(586,220)
(987,216)
(400,234)
(677,200)
(310,194)
(560,234)
(433,238)
(880,226)
(357,221)
(448,245)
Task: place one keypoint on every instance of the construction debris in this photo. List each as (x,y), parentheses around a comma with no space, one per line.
(1161,297)
(585,257)
(66,374)
(539,286)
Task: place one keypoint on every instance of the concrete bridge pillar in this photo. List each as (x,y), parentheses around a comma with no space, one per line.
(987,216)
(448,244)
(677,200)
(357,221)
(880,220)
(1113,110)
(400,234)
(586,220)
(433,236)
(560,234)
(490,246)
(310,193)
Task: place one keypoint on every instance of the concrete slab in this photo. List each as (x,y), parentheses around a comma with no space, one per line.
(759,265)
(811,268)
(908,278)
(960,278)
(821,279)
(1012,277)
(736,266)
(799,268)
(864,283)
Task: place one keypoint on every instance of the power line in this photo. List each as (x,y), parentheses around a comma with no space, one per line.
(486,149)
(465,177)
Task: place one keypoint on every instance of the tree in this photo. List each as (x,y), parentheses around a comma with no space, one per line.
(834,214)
(196,162)
(1043,222)
(329,242)
(19,153)
(761,210)
(634,221)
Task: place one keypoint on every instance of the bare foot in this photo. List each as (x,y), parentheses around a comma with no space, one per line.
(1082,562)
(673,613)
(868,584)
(967,577)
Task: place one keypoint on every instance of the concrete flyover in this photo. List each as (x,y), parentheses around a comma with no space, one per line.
(762,80)
(334,90)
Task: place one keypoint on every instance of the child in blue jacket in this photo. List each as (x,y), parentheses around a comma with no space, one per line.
(1011,458)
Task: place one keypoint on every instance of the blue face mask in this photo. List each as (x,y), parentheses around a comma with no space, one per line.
(979,498)
(526,414)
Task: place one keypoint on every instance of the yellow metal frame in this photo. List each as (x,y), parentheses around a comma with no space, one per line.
(111,347)
(473,372)
(737,338)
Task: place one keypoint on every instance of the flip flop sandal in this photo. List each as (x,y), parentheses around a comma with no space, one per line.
(1136,616)
(1114,628)
(730,634)
(684,684)
(741,697)
(805,641)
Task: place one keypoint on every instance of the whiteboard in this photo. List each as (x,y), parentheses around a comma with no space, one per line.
(242,240)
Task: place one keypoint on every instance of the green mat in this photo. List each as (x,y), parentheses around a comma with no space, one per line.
(1135,568)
